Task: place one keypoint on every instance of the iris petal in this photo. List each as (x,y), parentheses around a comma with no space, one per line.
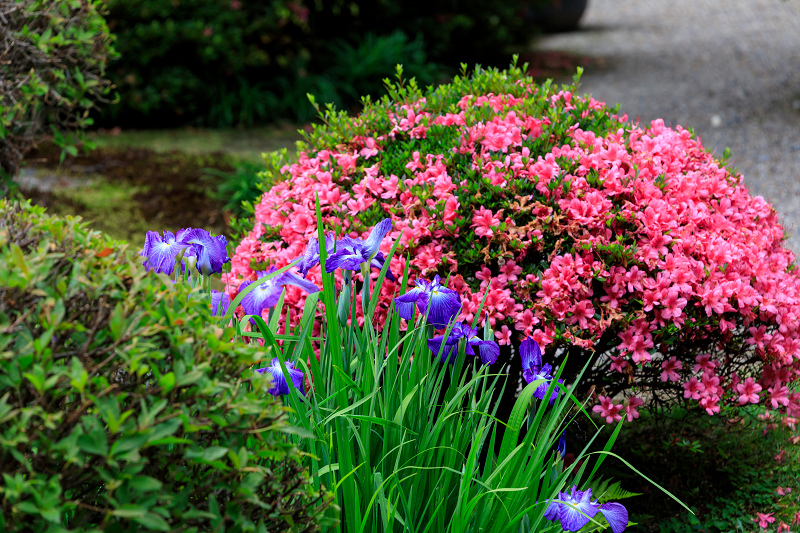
(220,301)
(290,278)
(279,381)
(573,517)
(378,261)
(211,252)
(450,346)
(371,244)
(616,515)
(489,351)
(551,513)
(310,257)
(405,303)
(531,355)
(281,386)
(261,298)
(297,380)
(445,305)
(161,252)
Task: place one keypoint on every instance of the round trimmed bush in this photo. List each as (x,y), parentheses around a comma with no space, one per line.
(622,242)
(122,407)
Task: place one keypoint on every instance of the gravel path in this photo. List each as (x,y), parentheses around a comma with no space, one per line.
(729,70)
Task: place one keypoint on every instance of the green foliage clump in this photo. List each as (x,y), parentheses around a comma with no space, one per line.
(53,73)
(727,471)
(122,407)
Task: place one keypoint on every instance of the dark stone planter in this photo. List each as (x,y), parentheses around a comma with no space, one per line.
(558,15)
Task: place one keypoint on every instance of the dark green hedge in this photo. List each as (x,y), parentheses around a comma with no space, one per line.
(122,406)
(227,62)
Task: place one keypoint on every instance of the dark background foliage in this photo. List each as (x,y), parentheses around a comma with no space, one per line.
(232,62)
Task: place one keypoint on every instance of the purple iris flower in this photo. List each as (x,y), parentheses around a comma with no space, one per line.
(281,386)
(444,303)
(160,252)
(488,350)
(311,257)
(220,301)
(352,253)
(211,251)
(378,261)
(571,509)
(268,293)
(532,368)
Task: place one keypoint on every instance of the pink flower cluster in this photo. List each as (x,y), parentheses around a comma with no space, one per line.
(645,237)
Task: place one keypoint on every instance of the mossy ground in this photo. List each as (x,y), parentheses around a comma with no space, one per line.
(245,144)
(109,207)
(157,180)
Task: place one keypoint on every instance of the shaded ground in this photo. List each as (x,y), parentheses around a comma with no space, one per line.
(126,192)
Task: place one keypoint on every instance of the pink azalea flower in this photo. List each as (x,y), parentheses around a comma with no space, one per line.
(509,272)
(748,391)
(669,367)
(618,363)
(503,336)
(608,409)
(764,520)
(631,409)
(483,220)
(710,404)
(693,389)
(779,396)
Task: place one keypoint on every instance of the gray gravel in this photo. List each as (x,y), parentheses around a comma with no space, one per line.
(730,70)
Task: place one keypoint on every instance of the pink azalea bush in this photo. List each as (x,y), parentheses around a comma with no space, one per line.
(598,237)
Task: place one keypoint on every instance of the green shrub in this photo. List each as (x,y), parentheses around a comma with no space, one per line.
(121,407)
(53,73)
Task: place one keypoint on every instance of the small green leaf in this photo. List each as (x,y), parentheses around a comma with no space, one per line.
(94,443)
(153,521)
(51,514)
(117,322)
(145,484)
(167,381)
